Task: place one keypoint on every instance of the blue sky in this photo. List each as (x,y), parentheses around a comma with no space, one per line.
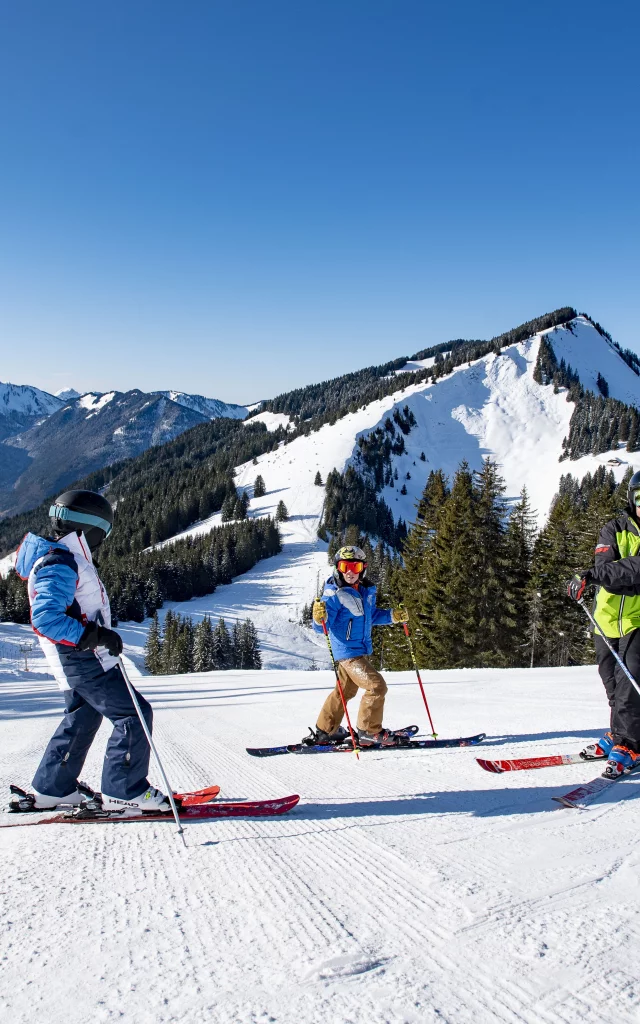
(240,197)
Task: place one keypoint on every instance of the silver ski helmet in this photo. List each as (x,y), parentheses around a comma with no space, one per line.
(633,488)
(87,511)
(349,557)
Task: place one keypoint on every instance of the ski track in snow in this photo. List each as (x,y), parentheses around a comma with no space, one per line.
(407,887)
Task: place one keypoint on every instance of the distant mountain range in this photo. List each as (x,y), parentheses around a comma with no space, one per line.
(48,441)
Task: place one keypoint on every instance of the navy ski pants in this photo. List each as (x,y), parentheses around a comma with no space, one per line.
(126,762)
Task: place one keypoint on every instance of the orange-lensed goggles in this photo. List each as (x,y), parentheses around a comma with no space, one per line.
(350,566)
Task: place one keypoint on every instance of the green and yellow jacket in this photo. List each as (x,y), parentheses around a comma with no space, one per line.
(617,571)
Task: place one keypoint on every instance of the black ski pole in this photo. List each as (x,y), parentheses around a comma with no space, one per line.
(612,649)
(147,733)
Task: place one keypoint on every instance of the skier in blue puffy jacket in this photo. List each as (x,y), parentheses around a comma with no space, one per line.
(71,615)
(348,606)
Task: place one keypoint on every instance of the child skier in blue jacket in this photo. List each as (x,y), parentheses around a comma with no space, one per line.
(348,606)
(71,615)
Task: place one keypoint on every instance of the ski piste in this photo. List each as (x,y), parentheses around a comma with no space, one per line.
(193,797)
(301,748)
(189,813)
(521,764)
(590,791)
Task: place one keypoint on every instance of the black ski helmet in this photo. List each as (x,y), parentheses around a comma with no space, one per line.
(632,487)
(82,510)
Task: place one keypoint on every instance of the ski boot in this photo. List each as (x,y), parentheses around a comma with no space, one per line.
(384,738)
(621,760)
(320,738)
(598,750)
(151,800)
(23,802)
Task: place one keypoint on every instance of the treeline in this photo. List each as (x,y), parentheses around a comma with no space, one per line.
(164,490)
(140,583)
(374,450)
(598,423)
(179,646)
(482,588)
(351,501)
(312,406)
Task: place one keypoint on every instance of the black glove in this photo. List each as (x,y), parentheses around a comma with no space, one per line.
(578,584)
(99,636)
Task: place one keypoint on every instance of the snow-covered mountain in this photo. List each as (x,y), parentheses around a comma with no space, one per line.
(491,407)
(85,434)
(212,408)
(22,405)
(67,394)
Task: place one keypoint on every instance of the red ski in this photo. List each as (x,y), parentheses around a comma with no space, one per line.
(525,763)
(192,812)
(197,796)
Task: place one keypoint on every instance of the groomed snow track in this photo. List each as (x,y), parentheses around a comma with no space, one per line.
(406,887)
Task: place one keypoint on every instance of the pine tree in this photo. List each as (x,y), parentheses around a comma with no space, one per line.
(562,636)
(318,479)
(203,647)
(222,646)
(259,489)
(445,607)
(153,647)
(519,630)
(282,514)
(488,565)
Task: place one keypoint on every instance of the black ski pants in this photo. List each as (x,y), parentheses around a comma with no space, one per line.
(623,698)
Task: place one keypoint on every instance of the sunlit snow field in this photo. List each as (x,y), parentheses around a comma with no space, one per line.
(407,887)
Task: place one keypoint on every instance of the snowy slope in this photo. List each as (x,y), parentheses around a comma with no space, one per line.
(405,888)
(493,407)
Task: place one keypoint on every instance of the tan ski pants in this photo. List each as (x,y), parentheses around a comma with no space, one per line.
(355,673)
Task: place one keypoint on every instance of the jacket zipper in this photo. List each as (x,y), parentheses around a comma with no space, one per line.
(349,628)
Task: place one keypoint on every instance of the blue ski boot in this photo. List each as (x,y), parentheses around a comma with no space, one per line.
(621,760)
(598,750)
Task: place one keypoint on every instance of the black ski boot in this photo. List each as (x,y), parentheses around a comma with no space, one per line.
(319,738)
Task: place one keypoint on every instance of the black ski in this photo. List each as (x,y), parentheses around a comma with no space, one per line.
(343,748)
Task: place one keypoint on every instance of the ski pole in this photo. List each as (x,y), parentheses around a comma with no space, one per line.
(340,690)
(415,665)
(612,649)
(147,733)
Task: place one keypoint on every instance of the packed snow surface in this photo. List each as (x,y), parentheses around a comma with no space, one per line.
(405,887)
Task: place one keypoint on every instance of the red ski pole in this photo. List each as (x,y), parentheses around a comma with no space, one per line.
(341,691)
(415,665)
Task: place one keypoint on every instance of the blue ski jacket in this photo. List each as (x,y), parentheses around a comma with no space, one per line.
(351,614)
(65,593)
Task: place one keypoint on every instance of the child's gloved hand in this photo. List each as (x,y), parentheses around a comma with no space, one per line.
(399,615)
(319,612)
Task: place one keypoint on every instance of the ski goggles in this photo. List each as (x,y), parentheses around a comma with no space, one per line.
(636,497)
(344,566)
(62,512)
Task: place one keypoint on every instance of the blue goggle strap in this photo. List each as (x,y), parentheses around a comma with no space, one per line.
(61,512)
